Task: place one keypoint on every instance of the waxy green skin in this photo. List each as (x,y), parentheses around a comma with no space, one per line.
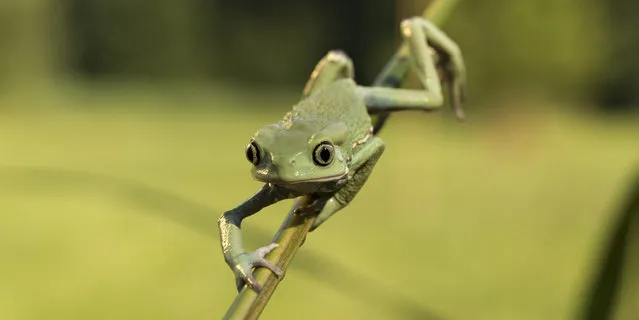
(325,146)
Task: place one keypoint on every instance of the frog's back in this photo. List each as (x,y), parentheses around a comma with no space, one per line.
(337,102)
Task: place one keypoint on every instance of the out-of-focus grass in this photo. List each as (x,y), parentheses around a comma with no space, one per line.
(486,220)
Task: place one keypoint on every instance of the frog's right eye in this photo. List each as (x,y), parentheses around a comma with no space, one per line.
(253,153)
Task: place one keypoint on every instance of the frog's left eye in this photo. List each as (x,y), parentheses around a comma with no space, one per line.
(323,154)
(253,153)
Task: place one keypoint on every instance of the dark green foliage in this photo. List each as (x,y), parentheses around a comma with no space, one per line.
(132,38)
(619,89)
(254,41)
(580,49)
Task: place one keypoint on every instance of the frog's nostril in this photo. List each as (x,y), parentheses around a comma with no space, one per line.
(292,163)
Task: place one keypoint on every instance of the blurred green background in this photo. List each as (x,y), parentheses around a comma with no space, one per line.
(122,134)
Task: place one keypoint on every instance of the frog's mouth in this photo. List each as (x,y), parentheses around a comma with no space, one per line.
(323,179)
(266,176)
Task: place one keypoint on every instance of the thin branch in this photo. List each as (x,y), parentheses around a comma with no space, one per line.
(248,304)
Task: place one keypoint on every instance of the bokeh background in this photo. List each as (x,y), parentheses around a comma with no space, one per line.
(122,133)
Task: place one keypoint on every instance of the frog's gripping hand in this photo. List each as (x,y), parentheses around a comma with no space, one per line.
(240,261)
(243,264)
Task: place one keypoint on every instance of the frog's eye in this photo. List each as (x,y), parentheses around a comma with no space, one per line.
(253,153)
(323,154)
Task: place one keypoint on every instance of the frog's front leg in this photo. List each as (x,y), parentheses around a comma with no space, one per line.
(362,165)
(240,261)
(333,66)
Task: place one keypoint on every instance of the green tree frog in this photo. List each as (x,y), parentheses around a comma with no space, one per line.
(325,146)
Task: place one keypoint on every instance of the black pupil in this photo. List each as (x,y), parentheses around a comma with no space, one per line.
(251,153)
(325,154)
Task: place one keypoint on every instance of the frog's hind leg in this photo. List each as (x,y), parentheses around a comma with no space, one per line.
(362,165)
(418,34)
(333,66)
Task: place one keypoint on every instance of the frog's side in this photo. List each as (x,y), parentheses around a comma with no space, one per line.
(325,146)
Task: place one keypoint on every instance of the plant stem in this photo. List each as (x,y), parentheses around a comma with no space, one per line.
(248,304)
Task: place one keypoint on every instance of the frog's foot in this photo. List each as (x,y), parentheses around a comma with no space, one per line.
(245,262)
(310,209)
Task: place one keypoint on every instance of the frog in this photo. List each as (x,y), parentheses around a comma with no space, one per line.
(325,146)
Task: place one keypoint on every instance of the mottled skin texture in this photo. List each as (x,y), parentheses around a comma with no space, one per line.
(325,146)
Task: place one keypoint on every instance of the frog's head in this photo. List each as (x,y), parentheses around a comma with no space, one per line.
(298,155)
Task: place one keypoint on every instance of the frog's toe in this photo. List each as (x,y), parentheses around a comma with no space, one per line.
(247,279)
(246,262)
(310,209)
(260,261)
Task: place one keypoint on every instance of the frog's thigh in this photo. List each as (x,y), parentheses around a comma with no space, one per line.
(334,65)
(380,99)
(363,164)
